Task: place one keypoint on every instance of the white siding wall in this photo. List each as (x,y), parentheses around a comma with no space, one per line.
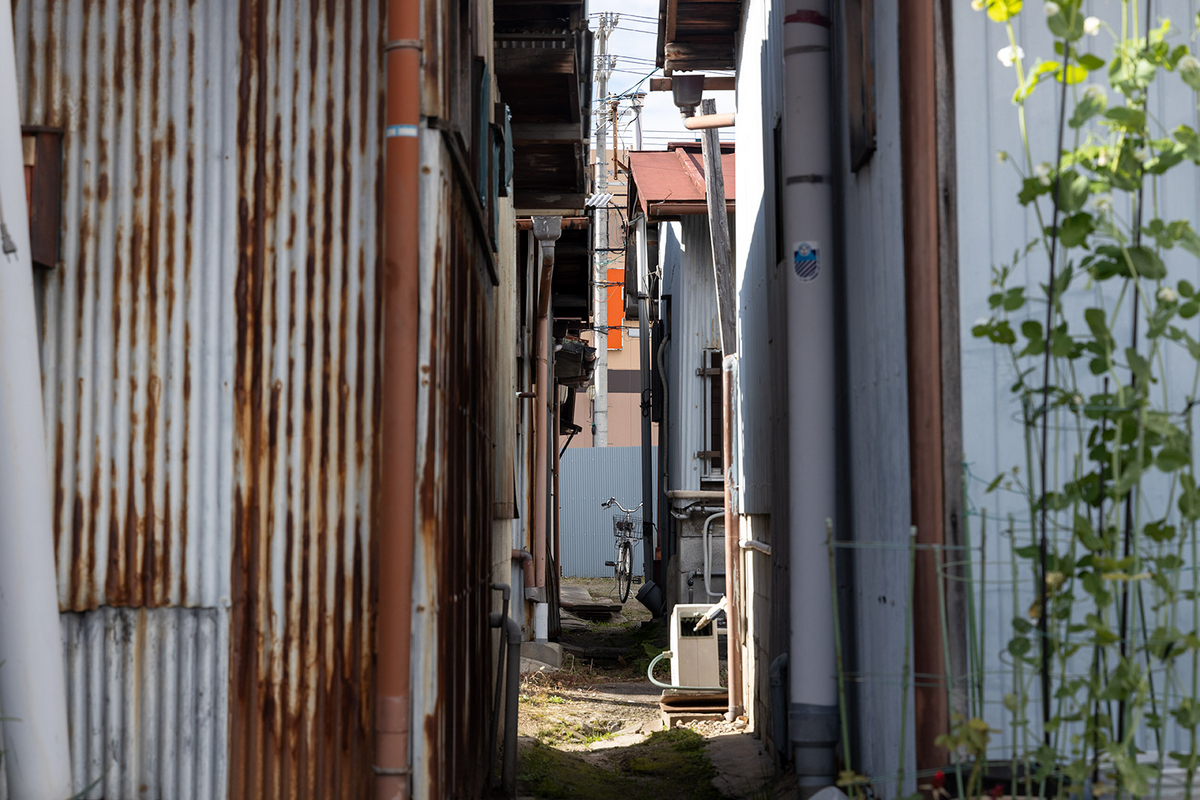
(877,402)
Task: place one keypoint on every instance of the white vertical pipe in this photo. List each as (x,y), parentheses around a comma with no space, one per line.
(601,256)
(808,218)
(33,697)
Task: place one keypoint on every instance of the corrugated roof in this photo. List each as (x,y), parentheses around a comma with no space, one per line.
(670,183)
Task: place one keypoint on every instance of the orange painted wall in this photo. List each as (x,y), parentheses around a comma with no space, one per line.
(616,307)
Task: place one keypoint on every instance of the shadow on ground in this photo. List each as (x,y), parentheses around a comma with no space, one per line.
(664,766)
(593,728)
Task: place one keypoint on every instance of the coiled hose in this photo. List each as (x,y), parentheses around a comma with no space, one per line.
(667,654)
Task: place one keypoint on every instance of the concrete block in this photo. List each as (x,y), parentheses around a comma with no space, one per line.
(546,652)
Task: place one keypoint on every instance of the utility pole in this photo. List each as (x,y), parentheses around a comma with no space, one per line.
(604,66)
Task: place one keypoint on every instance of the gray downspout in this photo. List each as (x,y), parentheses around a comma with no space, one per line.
(644,353)
(513,675)
(506,592)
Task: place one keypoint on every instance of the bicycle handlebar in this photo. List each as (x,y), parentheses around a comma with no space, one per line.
(612,501)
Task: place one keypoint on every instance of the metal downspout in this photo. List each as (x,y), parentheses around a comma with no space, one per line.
(546,230)
(398,451)
(643,262)
(811,386)
(33,691)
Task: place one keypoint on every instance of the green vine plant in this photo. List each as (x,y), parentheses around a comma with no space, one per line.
(1106,657)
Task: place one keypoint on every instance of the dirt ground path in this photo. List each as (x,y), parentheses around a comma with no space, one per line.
(593,727)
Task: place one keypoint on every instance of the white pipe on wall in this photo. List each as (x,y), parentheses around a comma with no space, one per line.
(708,556)
(809,230)
(33,694)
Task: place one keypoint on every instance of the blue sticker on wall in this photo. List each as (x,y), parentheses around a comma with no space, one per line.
(807,262)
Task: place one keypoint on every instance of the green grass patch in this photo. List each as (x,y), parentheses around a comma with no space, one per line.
(669,765)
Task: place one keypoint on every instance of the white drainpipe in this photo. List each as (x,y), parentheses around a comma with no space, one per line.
(33,699)
(809,231)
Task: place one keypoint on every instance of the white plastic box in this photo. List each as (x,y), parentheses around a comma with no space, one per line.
(696,657)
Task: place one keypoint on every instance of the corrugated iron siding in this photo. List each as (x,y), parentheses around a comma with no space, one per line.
(588,477)
(686,256)
(453,663)
(136,317)
(305,399)
(148,701)
(210,347)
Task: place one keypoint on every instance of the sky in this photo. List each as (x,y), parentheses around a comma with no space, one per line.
(633,42)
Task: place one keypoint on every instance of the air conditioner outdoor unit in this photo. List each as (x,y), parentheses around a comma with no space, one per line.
(695,656)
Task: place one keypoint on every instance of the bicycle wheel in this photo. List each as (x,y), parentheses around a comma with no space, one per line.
(625,571)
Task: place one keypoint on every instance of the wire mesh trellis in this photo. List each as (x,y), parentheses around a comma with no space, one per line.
(1000,685)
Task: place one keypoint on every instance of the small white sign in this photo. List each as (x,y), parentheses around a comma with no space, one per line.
(806,260)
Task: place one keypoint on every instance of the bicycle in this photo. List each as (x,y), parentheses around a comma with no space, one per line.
(626,531)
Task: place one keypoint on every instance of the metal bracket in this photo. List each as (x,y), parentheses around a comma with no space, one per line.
(392,771)
(403,44)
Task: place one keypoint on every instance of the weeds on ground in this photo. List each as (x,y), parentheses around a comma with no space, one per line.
(668,765)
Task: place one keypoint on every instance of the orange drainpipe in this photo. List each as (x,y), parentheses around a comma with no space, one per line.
(398,457)
(557,582)
(922,285)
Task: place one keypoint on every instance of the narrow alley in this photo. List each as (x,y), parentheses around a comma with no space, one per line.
(594,727)
(624,399)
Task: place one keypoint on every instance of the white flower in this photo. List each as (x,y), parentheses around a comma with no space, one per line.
(1102,159)
(1101,203)
(1077,399)
(1007,55)
(1001,156)
(1095,92)
(1167,295)
(1091,26)
(977,5)
(1051,8)
(1042,172)
(1189,70)
(1141,154)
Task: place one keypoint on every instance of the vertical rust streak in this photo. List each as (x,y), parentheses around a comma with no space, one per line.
(246,690)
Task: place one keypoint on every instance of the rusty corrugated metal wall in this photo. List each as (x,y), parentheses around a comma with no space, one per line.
(458,403)
(453,664)
(210,352)
(305,402)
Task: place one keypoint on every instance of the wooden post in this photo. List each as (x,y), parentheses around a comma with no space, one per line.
(922,284)
(718,226)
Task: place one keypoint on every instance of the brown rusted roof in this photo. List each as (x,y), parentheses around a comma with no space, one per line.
(670,183)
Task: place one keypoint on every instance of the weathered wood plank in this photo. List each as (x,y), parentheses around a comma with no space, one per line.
(718,226)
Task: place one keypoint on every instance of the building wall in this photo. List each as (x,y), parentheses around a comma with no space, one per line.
(686,259)
(590,476)
(874,589)
(871,590)
(624,418)
(762,358)
(209,347)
